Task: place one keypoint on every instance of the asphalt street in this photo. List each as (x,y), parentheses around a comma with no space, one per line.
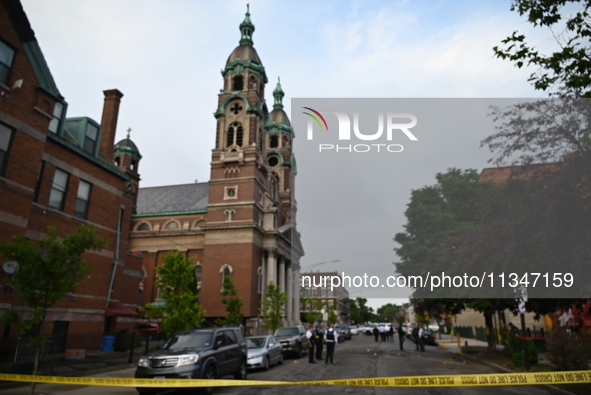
(360,357)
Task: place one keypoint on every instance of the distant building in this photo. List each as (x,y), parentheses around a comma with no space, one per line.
(64,172)
(242,223)
(316,294)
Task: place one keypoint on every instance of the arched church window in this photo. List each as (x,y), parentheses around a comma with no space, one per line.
(171,225)
(143,226)
(117,161)
(238,83)
(235,135)
(229,215)
(274,141)
(253,82)
(226,271)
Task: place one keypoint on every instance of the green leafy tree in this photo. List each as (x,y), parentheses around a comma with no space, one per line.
(434,214)
(273,307)
(359,312)
(48,270)
(568,67)
(388,312)
(332,318)
(233,304)
(178,290)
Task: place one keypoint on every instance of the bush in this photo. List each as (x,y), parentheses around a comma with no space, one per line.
(517,358)
(123,340)
(566,353)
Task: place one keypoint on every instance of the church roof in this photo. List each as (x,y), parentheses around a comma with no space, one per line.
(173,199)
(278,115)
(244,52)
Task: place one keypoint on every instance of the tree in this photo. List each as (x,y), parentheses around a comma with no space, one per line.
(434,214)
(49,269)
(273,307)
(388,312)
(359,312)
(568,69)
(332,317)
(233,304)
(178,290)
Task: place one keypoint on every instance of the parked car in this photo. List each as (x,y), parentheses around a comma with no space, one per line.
(151,330)
(354,329)
(368,329)
(263,351)
(428,337)
(293,340)
(344,332)
(196,354)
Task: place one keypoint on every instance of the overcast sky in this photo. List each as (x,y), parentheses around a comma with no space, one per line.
(166,58)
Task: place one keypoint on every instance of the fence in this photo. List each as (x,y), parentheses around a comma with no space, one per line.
(65,356)
(538,336)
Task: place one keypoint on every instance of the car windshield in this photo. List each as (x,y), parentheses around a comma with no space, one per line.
(287,332)
(256,342)
(189,340)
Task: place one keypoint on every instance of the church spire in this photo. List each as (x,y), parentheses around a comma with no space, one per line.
(278,95)
(246,28)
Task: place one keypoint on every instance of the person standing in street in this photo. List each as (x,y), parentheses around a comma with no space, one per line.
(330,339)
(319,342)
(420,338)
(376,333)
(415,337)
(311,340)
(401,337)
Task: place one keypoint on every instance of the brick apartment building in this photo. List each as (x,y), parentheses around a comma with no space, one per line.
(242,222)
(64,172)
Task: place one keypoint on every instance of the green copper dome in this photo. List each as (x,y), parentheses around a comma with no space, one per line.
(127,147)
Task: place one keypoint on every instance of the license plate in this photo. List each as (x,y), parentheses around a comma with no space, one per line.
(160,377)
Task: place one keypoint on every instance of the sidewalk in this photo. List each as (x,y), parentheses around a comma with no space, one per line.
(125,371)
(450,343)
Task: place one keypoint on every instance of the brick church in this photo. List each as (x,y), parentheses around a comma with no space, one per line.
(242,223)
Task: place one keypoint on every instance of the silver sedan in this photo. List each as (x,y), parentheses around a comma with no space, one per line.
(263,351)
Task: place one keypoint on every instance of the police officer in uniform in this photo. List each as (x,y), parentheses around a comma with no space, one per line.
(330,339)
(311,340)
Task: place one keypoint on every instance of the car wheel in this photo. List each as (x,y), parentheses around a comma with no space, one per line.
(300,352)
(266,364)
(209,375)
(280,359)
(241,374)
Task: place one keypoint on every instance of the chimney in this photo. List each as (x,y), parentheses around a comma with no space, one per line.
(109,121)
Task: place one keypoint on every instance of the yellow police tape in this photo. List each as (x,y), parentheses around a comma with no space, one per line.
(571,377)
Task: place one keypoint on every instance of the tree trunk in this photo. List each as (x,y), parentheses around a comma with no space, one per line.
(35,366)
(490,332)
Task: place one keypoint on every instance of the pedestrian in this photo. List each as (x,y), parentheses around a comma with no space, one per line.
(311,341)
(415,337)
(330,339)
(420,337)
(376,333)
(391,333)
(401,337)
(319,342)
(382,330)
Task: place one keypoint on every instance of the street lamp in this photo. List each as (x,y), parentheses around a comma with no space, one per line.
(310,267)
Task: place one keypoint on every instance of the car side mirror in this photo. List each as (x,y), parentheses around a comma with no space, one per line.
(217,344)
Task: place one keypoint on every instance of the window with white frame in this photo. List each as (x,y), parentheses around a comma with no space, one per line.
(57,196)
(90,140)
(82,200)
(58,110)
